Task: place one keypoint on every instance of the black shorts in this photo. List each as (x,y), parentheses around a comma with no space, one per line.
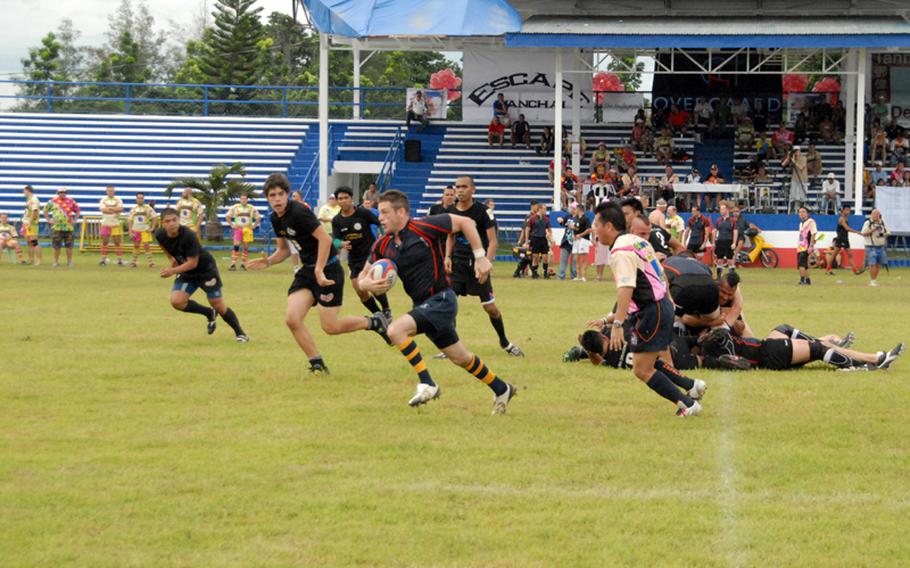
(723,250)
(776,354)
(328,296)
(210,284)
(60,239)
(356,266)
(540,245)
(652,327)
(694,248)
(465,283)
(435,318)
(802,259)
(695,294)
(838,243)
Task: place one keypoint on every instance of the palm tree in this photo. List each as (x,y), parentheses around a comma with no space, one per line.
(214,192)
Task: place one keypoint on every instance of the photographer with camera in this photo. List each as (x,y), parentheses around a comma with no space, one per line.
(876,234)
(799,178)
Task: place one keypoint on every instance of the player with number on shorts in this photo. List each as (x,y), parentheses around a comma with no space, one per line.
(243,219)
(111,207)
(143,220)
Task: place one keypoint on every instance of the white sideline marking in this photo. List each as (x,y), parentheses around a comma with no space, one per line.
(728,496)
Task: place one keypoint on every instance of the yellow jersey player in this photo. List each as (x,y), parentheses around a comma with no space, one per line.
(189,210)
(9,238)
(243,219)
(143,220)
(111,207)
(31,219)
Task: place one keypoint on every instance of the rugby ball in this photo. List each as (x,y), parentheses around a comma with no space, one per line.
(384,268)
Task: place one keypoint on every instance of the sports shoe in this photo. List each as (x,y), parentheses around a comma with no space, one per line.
(119,262)
(56,265)
(734,362)
(873,283)
(243,267)
(318,370)
(213,322)
(243,338)
(573,354)
(686,411)
(102,262)
(513,350)
(698,390)
(859,271)
(845,341)
(380,324)
(424,394)
(232,268)
(501,401)
(890,357)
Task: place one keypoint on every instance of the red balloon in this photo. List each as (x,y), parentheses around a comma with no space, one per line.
(795,83)
(604,81)
(446,79)
(828,85)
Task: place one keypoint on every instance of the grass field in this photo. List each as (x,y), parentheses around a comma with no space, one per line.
(130,437)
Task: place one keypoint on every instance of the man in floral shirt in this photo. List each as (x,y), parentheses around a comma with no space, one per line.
(62,213)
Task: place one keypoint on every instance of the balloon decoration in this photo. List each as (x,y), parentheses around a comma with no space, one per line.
(828,85)
(604,81)
(795,83)
(446,79)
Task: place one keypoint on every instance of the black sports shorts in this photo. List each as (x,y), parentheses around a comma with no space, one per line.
(802,259)
(465,283)
(695,294)
(776,354)
(540,245)
(435,318)
(723,250)
(652,327)
(328,296)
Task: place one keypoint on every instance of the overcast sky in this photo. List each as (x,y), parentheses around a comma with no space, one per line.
(25,22)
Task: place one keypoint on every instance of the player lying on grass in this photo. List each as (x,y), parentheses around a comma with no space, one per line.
(781,350)
(195,268)
(417,247)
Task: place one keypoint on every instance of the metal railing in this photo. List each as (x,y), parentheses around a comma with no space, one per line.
(311,177)
(390,162)
(205,100)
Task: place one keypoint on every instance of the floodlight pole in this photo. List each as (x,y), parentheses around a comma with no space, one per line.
(557,135)
(355,50)
(323,117)
(850,125)
(860,128)
(576,114)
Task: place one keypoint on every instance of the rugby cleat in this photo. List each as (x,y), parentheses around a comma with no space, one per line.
(687,411)
(890,357)
(318,370)
(845,341)
(697,391)
(380,324)
(734,362)
(232,268)
(514,350)
(424,394)
(500,402)
(243,338)
(573,354)
(212,323)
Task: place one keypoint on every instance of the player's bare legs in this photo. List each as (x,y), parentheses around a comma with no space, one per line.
(299,304)
(332,324)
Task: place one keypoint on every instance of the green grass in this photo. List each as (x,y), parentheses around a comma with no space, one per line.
(130,437)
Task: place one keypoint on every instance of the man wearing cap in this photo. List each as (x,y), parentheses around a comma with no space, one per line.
(830,195)
(62,213)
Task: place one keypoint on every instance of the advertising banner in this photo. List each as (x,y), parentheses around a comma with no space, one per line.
(891,80)
(435,99)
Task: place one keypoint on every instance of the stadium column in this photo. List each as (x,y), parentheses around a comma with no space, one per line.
(850,127)
(860,128)
(576,112)
(323,117)
(557,135)
(355,50)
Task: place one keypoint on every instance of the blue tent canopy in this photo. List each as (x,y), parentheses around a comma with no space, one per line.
(364,18)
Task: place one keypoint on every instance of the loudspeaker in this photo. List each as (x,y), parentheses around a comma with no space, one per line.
(412,150)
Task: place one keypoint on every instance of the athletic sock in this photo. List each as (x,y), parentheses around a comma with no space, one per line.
(412,353)
(546,270)
(231,319)
(383,301)
(370,304)
(799,334)
(838,359)
(663,386)
(244,257)
(808,281)
(317,362)
(234,255)
(675,376)
(500,331)
(477,368)
(194,307)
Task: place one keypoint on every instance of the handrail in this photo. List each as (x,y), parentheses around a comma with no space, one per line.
(388,164)
(311,177)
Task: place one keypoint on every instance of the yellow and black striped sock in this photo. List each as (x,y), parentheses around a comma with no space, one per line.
(477,368)
(412,353)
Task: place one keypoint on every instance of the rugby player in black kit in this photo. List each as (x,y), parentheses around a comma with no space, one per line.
(351,231)
(195,268)
(459,260)
(320,279)
(417,247)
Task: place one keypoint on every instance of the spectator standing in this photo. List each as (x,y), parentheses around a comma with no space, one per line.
(697,236)
(799,179)
(545,146)
(805,246)
(447,200)
(327,212)
(540,237)
(875,233)
(496,131)
(501,110)
(674,223)
(581,245)
(841,244)
(419,110)
(521,132)
(31,220)
(567,220)
(830,195)
(142,222)
(111,207)
(190,211)
(601,258)
(724,238)
(371,195)
(243,219)
(62,214)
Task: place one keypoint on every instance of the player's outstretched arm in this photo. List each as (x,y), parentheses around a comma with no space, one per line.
(468,228)
(281,253)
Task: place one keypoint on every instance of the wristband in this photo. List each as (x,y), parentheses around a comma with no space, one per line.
(479,253)
(337,243)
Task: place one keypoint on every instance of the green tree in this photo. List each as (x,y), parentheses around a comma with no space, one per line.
(216,191)
(124,64)
(44,63)
(630,80)
(231,56)
(149,41)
